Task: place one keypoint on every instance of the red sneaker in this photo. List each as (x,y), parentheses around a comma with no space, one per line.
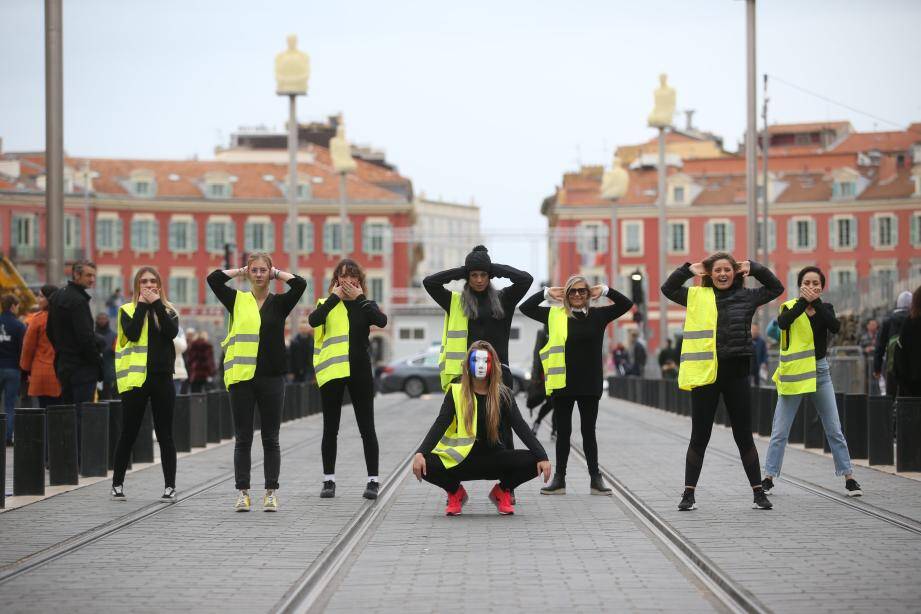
(502,499)
(456,502)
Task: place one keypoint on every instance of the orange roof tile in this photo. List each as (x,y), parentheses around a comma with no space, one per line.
(895,141)
(807,127)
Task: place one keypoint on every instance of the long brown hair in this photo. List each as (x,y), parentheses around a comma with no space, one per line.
(708,267)
(497,393)
(137,290)
(349,267)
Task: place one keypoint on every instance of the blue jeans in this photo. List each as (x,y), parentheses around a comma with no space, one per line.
(824,400)
(9,388)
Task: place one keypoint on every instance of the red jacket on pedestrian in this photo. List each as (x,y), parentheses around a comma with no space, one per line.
(38,358)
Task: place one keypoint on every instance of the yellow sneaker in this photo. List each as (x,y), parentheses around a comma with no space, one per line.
(243,503)
(270,501)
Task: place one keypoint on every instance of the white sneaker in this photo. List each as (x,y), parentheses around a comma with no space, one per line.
(169,495)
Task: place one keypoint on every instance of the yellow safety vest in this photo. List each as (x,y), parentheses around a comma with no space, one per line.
(456,443)
(795,372)
(241,345)
(331,345)
(453,343)
(130,356)
(698,347)
(553,354)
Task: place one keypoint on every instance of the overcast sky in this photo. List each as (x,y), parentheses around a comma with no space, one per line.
(484,100)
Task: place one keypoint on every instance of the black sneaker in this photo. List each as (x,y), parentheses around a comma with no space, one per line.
(118,494)
(169,495)
(767,484)
(853,488)
(597,487)
(329,489)
(371,490)
(687,501)
(557,485)
(761,501)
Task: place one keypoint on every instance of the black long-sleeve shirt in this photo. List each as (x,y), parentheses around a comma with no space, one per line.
(161,353)
(484,327)
(362,313)
(735,306)
(584,340)
(271,357)
(823,322)
(508,416)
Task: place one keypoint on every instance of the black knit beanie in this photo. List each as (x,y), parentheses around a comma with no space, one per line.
(478,260)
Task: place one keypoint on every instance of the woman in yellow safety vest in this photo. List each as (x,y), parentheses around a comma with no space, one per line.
(342,360)
(805,324)
(255,364)
(572,362)
(716,354)
(464,443)
(144,362)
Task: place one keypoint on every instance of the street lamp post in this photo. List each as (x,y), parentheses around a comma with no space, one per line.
(54,142)
(661,118)
(341,153)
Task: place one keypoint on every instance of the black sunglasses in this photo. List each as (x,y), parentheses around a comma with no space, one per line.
(578,291)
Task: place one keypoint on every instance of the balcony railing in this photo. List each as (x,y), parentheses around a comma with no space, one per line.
(27,253)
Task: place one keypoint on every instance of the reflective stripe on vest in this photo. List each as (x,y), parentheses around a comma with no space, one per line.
(453,343)
(795,372)
(457,442)
(130,356)
(553,354)
(241,345)
(698,345)
(331,345)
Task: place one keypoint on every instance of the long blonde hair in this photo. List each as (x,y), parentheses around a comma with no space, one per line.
(497,393)
(569,284)
(137,290)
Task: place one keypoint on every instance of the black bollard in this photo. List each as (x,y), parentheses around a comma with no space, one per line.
(797,429)
(94,445)
(879,431)
(907,429)
(768,403)
(29,452)
(198,421)
(143,450)
(116,424)
(813,433)
(855,421)
(3,462)
(182,423)
(62,445)
(611,380)
(213,402)
(226,416)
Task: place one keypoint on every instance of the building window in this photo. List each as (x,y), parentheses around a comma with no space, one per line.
(842,279)
(142,188)
(592,238)
(843,232)
(145,235)
(24,231)
(373,235)
(303,191)
(108,234)
(259,236)
(376,289)
(885,230)
(844,189)
(801,234)
(632,237)
(883,281)
(677,237)
(183,290)
(182,235)
(772,235)
(219,233)
(678,194)
(416,333)
(107,284)
(304,237)
(72,232)
(719,236)
(217,190)
(332,237)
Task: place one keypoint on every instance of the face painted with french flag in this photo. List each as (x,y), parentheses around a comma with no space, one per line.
(480,364)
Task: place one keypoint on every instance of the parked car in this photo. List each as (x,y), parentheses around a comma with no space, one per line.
(418,375)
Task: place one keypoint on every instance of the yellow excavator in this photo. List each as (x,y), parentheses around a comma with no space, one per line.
(11,282)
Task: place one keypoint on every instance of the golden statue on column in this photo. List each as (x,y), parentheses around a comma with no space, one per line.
(664,110)
(292,69)
(340,151)
(615,181)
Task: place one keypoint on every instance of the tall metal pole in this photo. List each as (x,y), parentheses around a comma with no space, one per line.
(765,145)
(54,142)
(343,219)
(751,160)
(292,198)
(663,238)
(87,246)
(613,245)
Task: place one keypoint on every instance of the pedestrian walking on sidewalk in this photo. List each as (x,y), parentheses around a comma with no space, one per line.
(572,360)
(805,324)
(716,354)
(342,360)
(255,364)
(37,358)
(908,351)
(144,360)
(464,443)
(12,332)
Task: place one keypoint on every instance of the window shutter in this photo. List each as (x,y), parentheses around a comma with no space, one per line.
(230,233)
(173,236)
(791,233)
(117,233)
(812,233)
(772,235)
(155,236)
(210,238)
(327,238)
(730,237)
(874,231)
(270,237)
(192,237)
(853,233)
(894,235)
(192,286)
(350,237)
(833,233)
(35,233)
(248,236)
(915,229)
(708,238)
(77,239)
(173,290)
(365,238)
(308,238)
(135,234)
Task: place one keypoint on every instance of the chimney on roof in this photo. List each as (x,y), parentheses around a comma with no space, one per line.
(689,119)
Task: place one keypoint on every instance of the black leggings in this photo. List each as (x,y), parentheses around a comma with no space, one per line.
(734,385)
(545,409)
(268,394)
(511,467)
(562,413)
(361,391)
(158,389)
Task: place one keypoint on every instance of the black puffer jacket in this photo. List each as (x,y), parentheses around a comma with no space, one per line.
(735,307)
